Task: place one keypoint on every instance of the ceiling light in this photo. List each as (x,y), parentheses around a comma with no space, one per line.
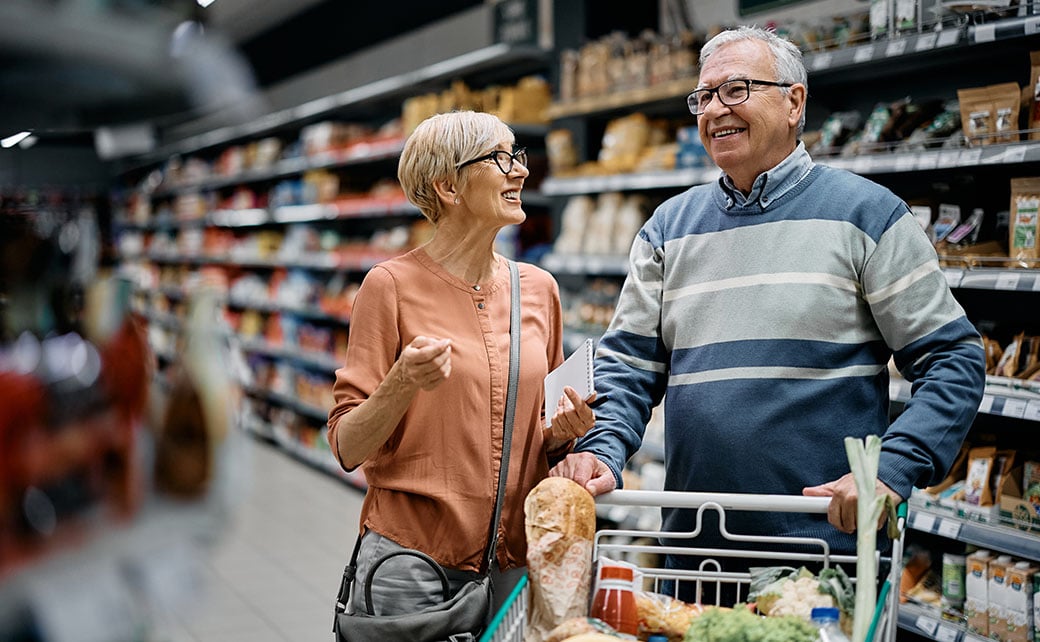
(205,3)
(14,139)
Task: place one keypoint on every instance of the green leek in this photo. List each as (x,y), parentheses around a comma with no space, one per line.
(863,461)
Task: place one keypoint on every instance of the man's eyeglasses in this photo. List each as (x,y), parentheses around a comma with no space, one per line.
(731,92)
(503,159)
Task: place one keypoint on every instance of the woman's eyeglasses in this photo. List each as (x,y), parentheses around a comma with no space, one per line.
(730,93)
(503,159)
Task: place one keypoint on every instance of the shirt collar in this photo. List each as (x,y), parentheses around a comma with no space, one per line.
(771,184)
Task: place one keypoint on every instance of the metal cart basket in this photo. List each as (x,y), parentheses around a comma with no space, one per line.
(509,623)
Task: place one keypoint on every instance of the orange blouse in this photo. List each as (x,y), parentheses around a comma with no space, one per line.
(432,484)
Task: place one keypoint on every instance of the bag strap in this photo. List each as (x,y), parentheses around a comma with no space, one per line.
(510,411)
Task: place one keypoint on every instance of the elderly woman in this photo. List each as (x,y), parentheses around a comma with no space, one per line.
(420,400)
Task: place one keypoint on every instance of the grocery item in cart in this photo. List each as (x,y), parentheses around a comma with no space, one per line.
(560,521)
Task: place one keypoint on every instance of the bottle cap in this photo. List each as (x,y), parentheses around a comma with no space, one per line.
(615,573)
(825,613)
(657,637)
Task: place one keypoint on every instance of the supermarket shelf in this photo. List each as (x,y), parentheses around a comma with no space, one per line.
(399,87)
(1003,30)
(317,458)
(357,153)
(315,360)
(284,400)
(677,89)
(312,314)
(361,263)
(1004,397)
(993,278)
(883,51)
(374,208)
(1003,538)
(917,161)
(618,182)
(586,264)
(930,624)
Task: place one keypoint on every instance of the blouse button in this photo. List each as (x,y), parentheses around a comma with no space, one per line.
(480,305)
(477,288)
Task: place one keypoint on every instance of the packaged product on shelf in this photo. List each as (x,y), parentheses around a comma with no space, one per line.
(1020,498)
(623,142)
(996,594)
(947,221)
(953,593)
(1024,225)
(1034,95)
(599,230)
(1018,614)
(990,114)
(561,152)
(976,591)
(980,466)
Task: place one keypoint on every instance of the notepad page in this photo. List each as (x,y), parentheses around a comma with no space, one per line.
(576,372)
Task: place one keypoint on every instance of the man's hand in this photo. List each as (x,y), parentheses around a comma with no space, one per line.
(844,497)
(588,471)
(425,362)
(573,418)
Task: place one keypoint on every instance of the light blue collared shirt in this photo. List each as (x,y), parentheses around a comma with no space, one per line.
(771,184)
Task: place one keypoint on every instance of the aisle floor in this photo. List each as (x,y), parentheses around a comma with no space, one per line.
(273,574)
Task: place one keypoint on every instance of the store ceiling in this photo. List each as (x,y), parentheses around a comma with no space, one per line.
(68,67)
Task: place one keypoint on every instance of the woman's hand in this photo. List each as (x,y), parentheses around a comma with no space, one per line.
(425,362)
(572,419)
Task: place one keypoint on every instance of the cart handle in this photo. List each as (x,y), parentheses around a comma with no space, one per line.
(728,501)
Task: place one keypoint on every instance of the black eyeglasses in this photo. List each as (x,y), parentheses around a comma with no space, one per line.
(731,92)
(503,159)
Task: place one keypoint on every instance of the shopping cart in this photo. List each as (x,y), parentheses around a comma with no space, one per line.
(509,623)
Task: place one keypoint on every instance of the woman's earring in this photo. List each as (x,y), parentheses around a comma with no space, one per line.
(456,200)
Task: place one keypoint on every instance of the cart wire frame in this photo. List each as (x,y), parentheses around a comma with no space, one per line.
(509,623)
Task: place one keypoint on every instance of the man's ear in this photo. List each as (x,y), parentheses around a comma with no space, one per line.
(796,103)
(445,191)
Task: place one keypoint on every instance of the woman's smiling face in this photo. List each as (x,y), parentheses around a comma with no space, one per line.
(750,138)
(492,195)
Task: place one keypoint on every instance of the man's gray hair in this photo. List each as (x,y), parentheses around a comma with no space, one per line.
(787,57)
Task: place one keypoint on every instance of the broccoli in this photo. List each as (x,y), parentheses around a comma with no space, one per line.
(741,625)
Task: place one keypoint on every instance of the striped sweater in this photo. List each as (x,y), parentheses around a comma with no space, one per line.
(770,325)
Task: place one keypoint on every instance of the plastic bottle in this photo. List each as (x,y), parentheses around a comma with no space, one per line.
(615,602)
(826,620)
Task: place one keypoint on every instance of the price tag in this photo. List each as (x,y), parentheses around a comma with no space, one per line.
(1015,154)
(926,41)
(987,404)
(927,161)
(953,277)
(906,162)
(970,157)
(923,522)
(1032,411)
(949,528)
(946,633)
(985,33)
(1014,407)
(594,264)
(1036,283)
(822,60)
(895,48)
(863,54)
(949,158)
(1007,281)
(926,624)
(1032,26)
(948,37)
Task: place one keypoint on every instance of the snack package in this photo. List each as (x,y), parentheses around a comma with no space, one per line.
(1025,222)
(664,615)
(990,114)
(980,466)
(1034,93)
(560,522)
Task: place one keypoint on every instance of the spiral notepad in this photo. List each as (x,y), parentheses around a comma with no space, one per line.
(576,372)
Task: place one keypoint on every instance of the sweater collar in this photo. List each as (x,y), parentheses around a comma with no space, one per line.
(771,184)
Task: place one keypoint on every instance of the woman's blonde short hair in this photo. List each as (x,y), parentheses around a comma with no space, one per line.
(438,146)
